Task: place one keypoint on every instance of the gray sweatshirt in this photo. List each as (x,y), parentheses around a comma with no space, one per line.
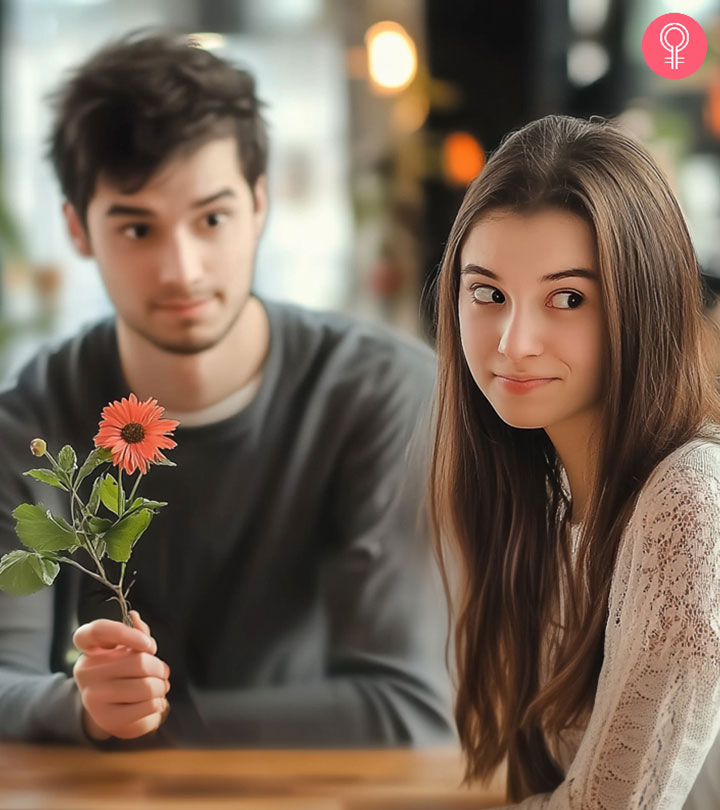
(289,582)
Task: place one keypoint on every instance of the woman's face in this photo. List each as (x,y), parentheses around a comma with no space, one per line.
(531,318)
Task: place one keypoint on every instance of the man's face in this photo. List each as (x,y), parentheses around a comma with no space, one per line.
(177,256)
(712,335)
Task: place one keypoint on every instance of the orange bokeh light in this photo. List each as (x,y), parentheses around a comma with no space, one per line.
(462,158)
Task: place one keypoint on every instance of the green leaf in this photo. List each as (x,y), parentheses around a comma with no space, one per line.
(99,525)
(148,504)
(67,459)
(45,567)
(40,531)
(23,572)
(109,493)
(61,522)
(47,477)
(144,503)
(125,533)
(100,455)
(161,461)
(94,502)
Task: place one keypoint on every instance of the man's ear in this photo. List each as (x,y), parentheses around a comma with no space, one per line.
(76,230)
(261,203)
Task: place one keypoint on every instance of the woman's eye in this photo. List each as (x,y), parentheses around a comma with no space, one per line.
(139,231)
(567,300)
(482,294)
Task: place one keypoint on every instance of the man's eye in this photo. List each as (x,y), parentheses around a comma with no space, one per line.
(139,231)
(483,294)
(214,219)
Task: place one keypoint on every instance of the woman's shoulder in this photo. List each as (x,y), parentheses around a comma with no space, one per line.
(686,480)
(701,454)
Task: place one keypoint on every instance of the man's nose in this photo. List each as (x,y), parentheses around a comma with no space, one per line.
(181,261)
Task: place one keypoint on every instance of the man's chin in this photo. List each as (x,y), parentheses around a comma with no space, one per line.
(186,336)
(186,348)
(191,342)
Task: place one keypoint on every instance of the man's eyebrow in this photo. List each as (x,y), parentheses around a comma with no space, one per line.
(119,210)
(573,272)
(224,192)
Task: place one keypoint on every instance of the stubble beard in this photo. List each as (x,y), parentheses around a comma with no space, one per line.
(192,345)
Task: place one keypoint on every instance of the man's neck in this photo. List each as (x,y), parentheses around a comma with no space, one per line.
(188,383)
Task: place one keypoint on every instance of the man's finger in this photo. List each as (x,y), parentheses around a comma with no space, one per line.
(128,690)
(139,623)
(118,714)
(105,634)
(143,726)
(103,667)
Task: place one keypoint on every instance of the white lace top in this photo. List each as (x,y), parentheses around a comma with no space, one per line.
(652,741)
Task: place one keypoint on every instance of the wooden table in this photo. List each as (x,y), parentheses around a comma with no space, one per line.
(44,777)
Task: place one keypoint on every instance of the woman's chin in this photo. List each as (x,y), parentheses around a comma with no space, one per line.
(520,421)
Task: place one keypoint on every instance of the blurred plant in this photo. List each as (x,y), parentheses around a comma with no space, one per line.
(11,241)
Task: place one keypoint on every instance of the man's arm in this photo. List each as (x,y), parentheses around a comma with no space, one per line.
(35,703)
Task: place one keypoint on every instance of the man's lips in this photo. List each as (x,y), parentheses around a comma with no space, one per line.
(183,305)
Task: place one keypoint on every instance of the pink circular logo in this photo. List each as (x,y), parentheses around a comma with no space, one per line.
(674,46)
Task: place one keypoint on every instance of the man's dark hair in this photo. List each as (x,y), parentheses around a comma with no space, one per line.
(140,99)
(710,290)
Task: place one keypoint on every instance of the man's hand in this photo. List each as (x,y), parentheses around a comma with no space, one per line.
(121,681)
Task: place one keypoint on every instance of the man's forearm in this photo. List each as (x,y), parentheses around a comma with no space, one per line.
(338,712)
(39,707)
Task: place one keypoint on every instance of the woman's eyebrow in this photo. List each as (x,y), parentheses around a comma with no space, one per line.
(573,272)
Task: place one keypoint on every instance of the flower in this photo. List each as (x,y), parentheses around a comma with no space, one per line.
(38,447)
(134,433)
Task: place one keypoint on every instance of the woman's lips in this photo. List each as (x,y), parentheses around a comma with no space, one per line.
(522,386)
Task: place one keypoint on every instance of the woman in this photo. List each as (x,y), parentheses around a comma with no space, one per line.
(575,484)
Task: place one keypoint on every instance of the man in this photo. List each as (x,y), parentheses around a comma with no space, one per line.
(711,309)
(285,594)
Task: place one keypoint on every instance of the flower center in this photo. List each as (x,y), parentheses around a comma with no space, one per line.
(133,432)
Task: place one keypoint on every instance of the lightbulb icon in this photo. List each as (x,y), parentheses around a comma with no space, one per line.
(674,47)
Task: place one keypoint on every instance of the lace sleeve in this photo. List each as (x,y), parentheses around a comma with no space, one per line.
(657,707)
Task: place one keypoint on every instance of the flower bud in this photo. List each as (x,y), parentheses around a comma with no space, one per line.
(38,447)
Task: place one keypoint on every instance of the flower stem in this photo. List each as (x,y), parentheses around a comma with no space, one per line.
(82,568)
(134,489)
(117,589)
(56,466)
(121,499)
(87,544)
(124,607)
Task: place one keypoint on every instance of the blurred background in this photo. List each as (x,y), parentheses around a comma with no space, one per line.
(380,113)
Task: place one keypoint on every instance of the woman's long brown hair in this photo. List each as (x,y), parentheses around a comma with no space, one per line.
(499,510)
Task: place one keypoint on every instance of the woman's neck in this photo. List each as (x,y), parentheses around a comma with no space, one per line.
(576,443)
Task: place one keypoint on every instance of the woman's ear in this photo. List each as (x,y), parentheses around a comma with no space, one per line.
(76,230)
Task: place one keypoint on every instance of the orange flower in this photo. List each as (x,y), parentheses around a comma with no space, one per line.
(134,433)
